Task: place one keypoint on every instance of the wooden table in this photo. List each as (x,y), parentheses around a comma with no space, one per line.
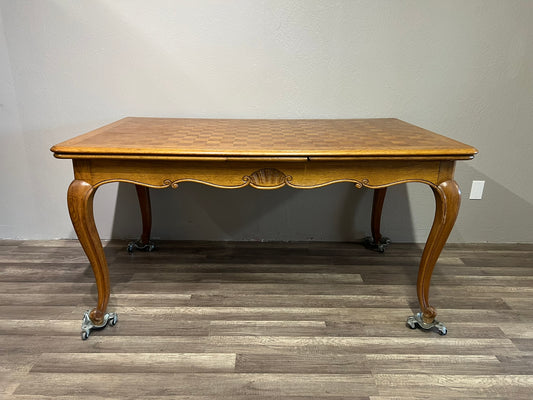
(265,154)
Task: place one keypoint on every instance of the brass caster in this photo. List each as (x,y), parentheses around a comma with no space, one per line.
(138,245)
(416,320)
(370,244)
(87,326)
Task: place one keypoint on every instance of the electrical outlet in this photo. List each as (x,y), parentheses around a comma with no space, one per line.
(476,192)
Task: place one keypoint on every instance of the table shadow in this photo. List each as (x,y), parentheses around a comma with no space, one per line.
(338,212)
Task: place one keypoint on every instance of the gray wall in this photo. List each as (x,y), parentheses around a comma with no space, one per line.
(463,69)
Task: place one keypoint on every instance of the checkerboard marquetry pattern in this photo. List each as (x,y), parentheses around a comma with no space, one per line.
(241,137)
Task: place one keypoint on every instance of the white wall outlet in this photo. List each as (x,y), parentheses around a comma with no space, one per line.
(476,192)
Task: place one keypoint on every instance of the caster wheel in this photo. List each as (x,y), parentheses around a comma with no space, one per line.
(113,321)
(411,324)
(84,335)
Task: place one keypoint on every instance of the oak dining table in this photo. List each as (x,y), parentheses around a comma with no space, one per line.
(265,154)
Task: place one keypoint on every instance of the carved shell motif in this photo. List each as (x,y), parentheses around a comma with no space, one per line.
(267,178)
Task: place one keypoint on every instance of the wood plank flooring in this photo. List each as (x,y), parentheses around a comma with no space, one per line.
(204,320)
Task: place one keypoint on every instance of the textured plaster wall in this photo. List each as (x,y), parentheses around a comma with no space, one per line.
(463,69)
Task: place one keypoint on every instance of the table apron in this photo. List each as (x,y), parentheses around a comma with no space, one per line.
(263,174)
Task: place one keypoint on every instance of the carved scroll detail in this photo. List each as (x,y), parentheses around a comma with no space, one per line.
(172,184)
(272,178)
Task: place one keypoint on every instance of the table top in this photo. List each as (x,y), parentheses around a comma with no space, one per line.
(311,138)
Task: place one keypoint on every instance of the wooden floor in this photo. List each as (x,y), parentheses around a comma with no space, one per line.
(241,321)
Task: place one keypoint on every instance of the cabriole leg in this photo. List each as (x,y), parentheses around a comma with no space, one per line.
(144,243)
(80,204)
(377,242)
(447,202)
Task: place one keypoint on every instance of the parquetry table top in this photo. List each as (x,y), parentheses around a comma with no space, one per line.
(175,137)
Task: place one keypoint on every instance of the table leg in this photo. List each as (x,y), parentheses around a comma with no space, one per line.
(144,243)
(80,204)
(377,242)
(447,202)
